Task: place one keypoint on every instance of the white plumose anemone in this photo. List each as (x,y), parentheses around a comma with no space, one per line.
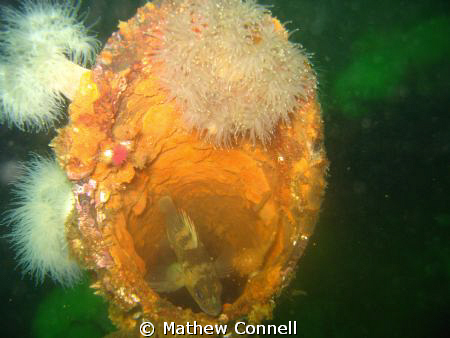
(231,69)
(43,201)
(41,49)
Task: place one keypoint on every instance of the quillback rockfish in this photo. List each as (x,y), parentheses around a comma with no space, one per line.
(194,268)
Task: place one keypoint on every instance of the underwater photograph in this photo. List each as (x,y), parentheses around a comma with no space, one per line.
(224,168)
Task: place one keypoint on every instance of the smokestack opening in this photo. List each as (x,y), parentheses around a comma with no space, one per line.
(254,203)
(237,233)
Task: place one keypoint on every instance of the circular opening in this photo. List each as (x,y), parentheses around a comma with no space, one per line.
(228,226)
(253,206)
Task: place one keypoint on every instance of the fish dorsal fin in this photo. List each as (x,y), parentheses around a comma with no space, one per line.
(187,222)
(181,230)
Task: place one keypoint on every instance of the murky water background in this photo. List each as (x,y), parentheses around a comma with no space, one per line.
(379,261)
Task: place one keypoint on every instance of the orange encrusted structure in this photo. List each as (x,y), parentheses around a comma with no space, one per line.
(254,205)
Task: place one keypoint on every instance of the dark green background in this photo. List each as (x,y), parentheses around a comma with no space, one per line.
(378,264)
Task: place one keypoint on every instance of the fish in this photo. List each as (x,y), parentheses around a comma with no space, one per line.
(194,269)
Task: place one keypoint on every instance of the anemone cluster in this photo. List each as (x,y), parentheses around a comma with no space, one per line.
(42,46)
(227,63)
(36,46)
(44,200)
(232,69)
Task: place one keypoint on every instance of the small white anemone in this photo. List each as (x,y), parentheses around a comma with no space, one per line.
(232,71)
(43,200)
(41,47)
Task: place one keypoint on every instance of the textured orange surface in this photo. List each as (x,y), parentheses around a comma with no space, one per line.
(254,205)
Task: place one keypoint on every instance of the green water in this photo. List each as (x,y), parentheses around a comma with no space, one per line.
(378,264)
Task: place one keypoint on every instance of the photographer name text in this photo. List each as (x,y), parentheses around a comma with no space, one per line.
(240,328)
